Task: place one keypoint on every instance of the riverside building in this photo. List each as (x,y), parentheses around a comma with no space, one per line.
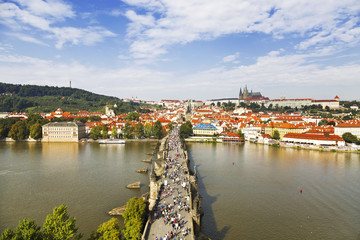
(63,131)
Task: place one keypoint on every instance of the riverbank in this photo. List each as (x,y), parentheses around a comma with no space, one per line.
(346,149)
(280,144)
(81,141)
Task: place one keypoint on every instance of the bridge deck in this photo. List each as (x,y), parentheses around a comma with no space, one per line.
(172,214)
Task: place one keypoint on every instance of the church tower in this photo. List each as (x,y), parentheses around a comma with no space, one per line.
(245,94)
(241,95)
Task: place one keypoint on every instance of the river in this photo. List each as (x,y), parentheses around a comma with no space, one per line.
(249,191)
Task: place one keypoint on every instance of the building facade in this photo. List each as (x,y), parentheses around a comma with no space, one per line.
(351,127)
(204,129)
(63,132)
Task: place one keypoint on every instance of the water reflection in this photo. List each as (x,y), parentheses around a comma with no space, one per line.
(89,178)
(258,196)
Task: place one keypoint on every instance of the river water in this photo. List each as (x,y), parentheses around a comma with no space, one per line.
(249,191)
(253,192)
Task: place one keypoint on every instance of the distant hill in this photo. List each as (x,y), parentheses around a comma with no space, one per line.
(33,98)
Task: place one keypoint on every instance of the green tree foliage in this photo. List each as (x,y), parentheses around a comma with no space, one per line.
(114,132)
(19,131)
(240,133)
(133,116)
(171,126)
(229,106)
(81,119)
(5,126)
(323,122)
(276,135)
(32,98)
(331,123)
(158,132)
(105,131)
(128,130)
(139,130)
(36,131)
(3,131)
(186,129)
(95,118)
(109,230)
(346,118)
(8,235)
(59,225)
(26,230)
(95,132)
(148,130)
(349,138)
(134,218)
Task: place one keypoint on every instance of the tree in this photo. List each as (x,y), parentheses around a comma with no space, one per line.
(323,122)
(186,129)
(276,135)
(26,230)
(128,130)
(109,230)
(346,118)
(36,131)
(7,235)
(171,126)
(133,116)
(148,130)
(134,218)
(95,118)
(95,132)
(105,131)
(349,137)
(332,123)
(19,131)
(114,132)
(158,130)
(59,225)
(139,130)
(3,132)
(240,133)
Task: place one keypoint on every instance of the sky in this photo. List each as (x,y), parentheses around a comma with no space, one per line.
(171,49)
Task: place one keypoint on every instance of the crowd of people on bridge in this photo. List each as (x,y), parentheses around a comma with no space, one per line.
(174,198)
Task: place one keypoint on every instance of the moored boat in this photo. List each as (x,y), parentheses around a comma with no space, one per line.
(109,141)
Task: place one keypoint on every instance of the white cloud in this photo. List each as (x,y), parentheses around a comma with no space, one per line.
(48,8)
(181,22)
(75,36)
(270,71)
(41,17)
(231,58)
(27,38)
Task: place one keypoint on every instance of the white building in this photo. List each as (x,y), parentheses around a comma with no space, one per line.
(351,127)
(251,132)
(314,139)
(63,132)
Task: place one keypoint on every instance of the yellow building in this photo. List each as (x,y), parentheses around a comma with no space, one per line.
(63,132)
(284,128)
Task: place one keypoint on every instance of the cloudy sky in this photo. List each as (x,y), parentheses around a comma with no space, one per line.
(171,49)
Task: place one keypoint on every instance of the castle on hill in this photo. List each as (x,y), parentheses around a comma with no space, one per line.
(244,95)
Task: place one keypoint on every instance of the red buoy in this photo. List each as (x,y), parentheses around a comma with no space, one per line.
(233,163)
(300,190)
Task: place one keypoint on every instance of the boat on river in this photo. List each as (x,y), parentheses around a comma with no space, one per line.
(110,141)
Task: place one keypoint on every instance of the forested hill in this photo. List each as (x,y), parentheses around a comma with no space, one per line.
(33,98)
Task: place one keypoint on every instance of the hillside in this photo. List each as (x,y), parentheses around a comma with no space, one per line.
(33,98)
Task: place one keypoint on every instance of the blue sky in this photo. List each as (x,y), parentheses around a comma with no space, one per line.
(198,49)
